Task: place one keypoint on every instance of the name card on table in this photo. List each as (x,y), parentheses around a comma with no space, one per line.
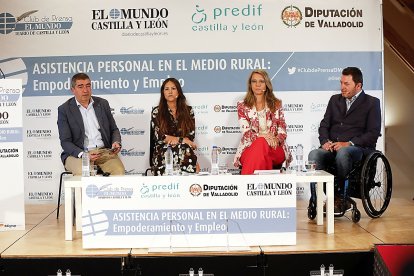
(188,211)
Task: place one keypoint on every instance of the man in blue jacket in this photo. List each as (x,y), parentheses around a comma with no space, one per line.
(351,124)
(86,121)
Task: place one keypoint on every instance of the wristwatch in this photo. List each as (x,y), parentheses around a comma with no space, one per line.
(180,140)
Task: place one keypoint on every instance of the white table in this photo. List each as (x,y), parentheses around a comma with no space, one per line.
(74,184)
(321,177)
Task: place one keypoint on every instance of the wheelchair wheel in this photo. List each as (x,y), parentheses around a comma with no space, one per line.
(376,184)
(356,215)
(312,210)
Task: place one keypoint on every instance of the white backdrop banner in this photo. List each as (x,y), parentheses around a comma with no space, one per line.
(11,156)
(128,48)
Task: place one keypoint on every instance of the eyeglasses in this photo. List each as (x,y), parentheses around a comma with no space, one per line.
(257,81)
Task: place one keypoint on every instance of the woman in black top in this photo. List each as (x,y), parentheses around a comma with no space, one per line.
(173,123)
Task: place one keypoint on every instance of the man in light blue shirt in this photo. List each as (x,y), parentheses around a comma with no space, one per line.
(86,121)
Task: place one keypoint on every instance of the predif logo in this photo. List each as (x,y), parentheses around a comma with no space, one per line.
(30,23)
(218,19)
(203,151)
(291,16)
(162,190)
(201,129)
(200,109)
(314,128)
(318,107)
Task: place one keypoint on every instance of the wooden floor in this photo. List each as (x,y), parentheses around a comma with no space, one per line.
(44,235)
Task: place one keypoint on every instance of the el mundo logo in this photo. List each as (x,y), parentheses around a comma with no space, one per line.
(291,16)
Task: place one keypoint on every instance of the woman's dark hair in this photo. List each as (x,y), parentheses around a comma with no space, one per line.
(185,122)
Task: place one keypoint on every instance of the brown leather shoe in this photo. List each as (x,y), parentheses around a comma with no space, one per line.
(341,205)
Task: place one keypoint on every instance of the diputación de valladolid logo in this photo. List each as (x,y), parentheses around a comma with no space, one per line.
(291,16)
(316,18)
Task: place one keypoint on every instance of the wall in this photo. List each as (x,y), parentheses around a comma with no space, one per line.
(399,123)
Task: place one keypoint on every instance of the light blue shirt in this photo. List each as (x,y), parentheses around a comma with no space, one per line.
(91,125)
(350,101)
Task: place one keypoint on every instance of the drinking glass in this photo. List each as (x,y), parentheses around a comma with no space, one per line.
(223,168)
(176,169)
(310,165)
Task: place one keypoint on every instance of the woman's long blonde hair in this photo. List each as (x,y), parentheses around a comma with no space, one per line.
(271,101)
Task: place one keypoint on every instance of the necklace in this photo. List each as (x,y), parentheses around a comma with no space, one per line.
(260,107)
(261,113)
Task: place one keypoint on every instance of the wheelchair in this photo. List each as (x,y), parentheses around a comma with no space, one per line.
(370,180)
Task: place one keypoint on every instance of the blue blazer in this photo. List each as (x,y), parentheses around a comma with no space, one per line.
(72,130)
(361,124)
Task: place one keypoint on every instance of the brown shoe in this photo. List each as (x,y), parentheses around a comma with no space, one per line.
(341,205)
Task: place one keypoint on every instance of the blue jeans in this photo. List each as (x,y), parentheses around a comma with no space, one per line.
(341,160)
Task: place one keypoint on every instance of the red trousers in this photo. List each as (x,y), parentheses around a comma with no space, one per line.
(260,156)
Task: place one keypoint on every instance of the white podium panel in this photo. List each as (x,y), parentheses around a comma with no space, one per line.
(188,211)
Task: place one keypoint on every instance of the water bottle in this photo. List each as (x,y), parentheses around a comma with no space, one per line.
(59,273)
(168,156)
(299,157)
(214,160)
(85,159)
(68,273)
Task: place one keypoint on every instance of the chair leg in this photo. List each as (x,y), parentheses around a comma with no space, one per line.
(60,192)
